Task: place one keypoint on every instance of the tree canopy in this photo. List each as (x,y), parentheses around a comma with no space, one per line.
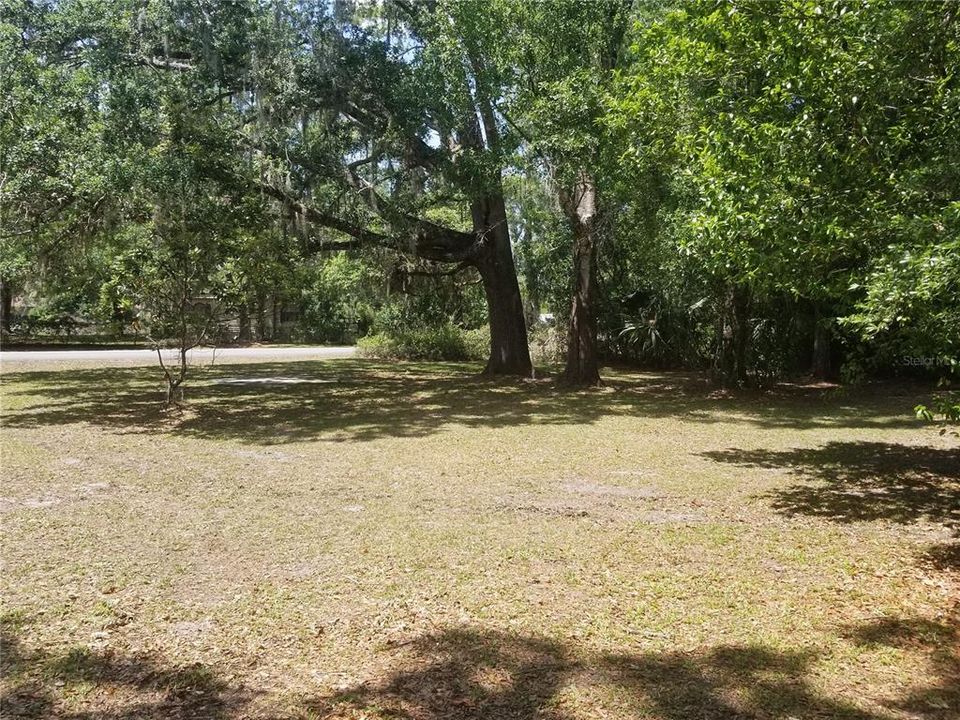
(756,188)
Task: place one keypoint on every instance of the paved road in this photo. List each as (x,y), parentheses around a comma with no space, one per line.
(197,355)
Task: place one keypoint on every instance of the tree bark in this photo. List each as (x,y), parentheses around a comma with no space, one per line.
(487,247)
(509,352)
(261,317)
(6,306)
(274,318)
(735,334)
(580,207)
(245,333)
(820,362)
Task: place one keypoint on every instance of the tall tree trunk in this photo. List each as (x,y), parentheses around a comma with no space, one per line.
(735,336)
(742,336)
(820,362)
(261,317)
(580,207)
(244,320)
(6,306)
(531,282)
(509,352)
(274,318)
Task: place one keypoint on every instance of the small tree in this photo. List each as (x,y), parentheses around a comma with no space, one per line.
(945,410)
(169,284)
(183,217)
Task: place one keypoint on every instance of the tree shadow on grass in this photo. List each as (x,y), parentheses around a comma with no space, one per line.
(728,681)
(37,685)
(471,675)
(940,642)
(944,556)
(270,403)
(858,481)
(460,674)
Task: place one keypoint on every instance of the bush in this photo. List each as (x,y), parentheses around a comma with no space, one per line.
(548,344)
(477,343)
(377,345)
(336,301)
(447,342)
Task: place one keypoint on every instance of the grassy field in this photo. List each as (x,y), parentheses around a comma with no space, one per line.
(353,539)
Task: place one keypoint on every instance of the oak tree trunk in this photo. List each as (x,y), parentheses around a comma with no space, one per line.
(580,207)
(6,306)
(244,320)
(820,365)
(274,318)
(735,335)
(261,317)
(509,352)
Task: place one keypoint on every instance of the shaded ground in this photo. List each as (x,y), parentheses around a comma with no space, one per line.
(366,400)
(352,539)
(864,481)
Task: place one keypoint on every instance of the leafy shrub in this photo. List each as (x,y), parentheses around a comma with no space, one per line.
(447,342)
(336,300)
(945,410)
(477,343)
(431,307)
(60,314)
(377,345)
(945,406)
(548,344)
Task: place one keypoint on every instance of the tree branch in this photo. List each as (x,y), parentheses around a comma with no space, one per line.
(431,241)
(459,268)
(164,64)
(363,235)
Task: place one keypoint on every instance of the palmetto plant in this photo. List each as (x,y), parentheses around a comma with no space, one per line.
(643,335)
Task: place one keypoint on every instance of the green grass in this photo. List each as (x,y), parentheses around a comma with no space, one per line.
(353,539)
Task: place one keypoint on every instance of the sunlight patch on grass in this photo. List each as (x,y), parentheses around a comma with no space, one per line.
(410,538)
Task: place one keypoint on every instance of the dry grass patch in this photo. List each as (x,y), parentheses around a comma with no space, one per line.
(353,539)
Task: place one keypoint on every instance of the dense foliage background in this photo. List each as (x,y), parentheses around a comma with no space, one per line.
(754,188)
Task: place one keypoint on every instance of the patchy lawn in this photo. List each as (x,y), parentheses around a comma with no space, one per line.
(352,539)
